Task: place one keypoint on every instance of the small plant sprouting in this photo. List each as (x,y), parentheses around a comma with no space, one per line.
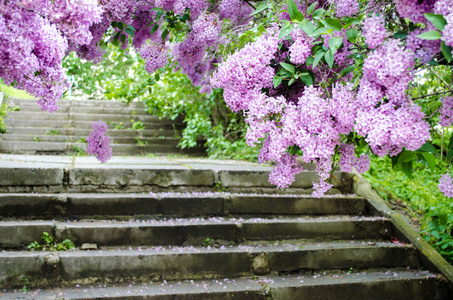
(139,125)
(26,285)
(207,243)
(140,142)
(51,244)
(36,139)
(118,126)
(350,270)
(53,132)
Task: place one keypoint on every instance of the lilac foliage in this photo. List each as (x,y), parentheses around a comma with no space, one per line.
(98,144)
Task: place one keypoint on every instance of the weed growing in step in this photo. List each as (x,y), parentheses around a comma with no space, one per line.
(14,108)
(79,151)
(26,285)
(53,132)
(207,243)
(140,142)
(118,126)
(139,125)
(3,114)
(51,244)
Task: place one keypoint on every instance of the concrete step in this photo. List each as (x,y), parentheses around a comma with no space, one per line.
(179,263)
(184,231)
(63,116)
(178,205)
(85,132)
(58,124)
(32,107)
(11,101)
(369,285)
(71,138)
(26,147)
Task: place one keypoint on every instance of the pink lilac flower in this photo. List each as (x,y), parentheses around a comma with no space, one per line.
(300,50)
(446,112)
(155,56)
(414,10)
(446,185)
(349,160)
(284,174)
(374,31)
(422,49)
(98,144)
(346,8)
(235,10)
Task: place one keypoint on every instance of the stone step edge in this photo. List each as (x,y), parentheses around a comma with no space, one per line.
(176,204)
(194,231)
(272,287)
(195,262)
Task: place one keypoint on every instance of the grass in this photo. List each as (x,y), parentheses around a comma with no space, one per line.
(419,198)
(15,93)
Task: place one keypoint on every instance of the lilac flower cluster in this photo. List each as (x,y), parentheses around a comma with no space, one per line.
(206,29)
(446,112)
(300,50)
(345,8)
(414,10)
(98,144)
(446,185)
(119,10)
(422,49)
(247,71)
(374,31)
(155,56)
(235,10)
(31,53)
(349,160)
(447,32)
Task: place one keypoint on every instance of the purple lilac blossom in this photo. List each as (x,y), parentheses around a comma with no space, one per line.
(446,112)
(98,144)
(446,185)
(346,8)
(374,31)
(155,56)
(300,50)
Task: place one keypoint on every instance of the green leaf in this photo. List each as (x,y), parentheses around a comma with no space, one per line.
(450,154)
(446,51)
(159,14)
(154,28)
(432,62)
(130,32)
(333,24)
(335,43)
(438,20)
(450,144)
(263,6)
(288,67)
(400,35)
(311,8)
(318,56)
(120,25)
(320,31)
(351,34)
(164,34)
(276,81)
(429,35)
(406,156)
(307,79)
(317,14)
(407,168)
(309,60)
(291,81)
(123,38)
(347,70)
(430,159)
(428,147)
(294,12)
(307,27)
(286,29)
(330,58)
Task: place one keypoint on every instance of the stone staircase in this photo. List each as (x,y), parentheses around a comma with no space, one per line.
(32,131)
(198,229)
